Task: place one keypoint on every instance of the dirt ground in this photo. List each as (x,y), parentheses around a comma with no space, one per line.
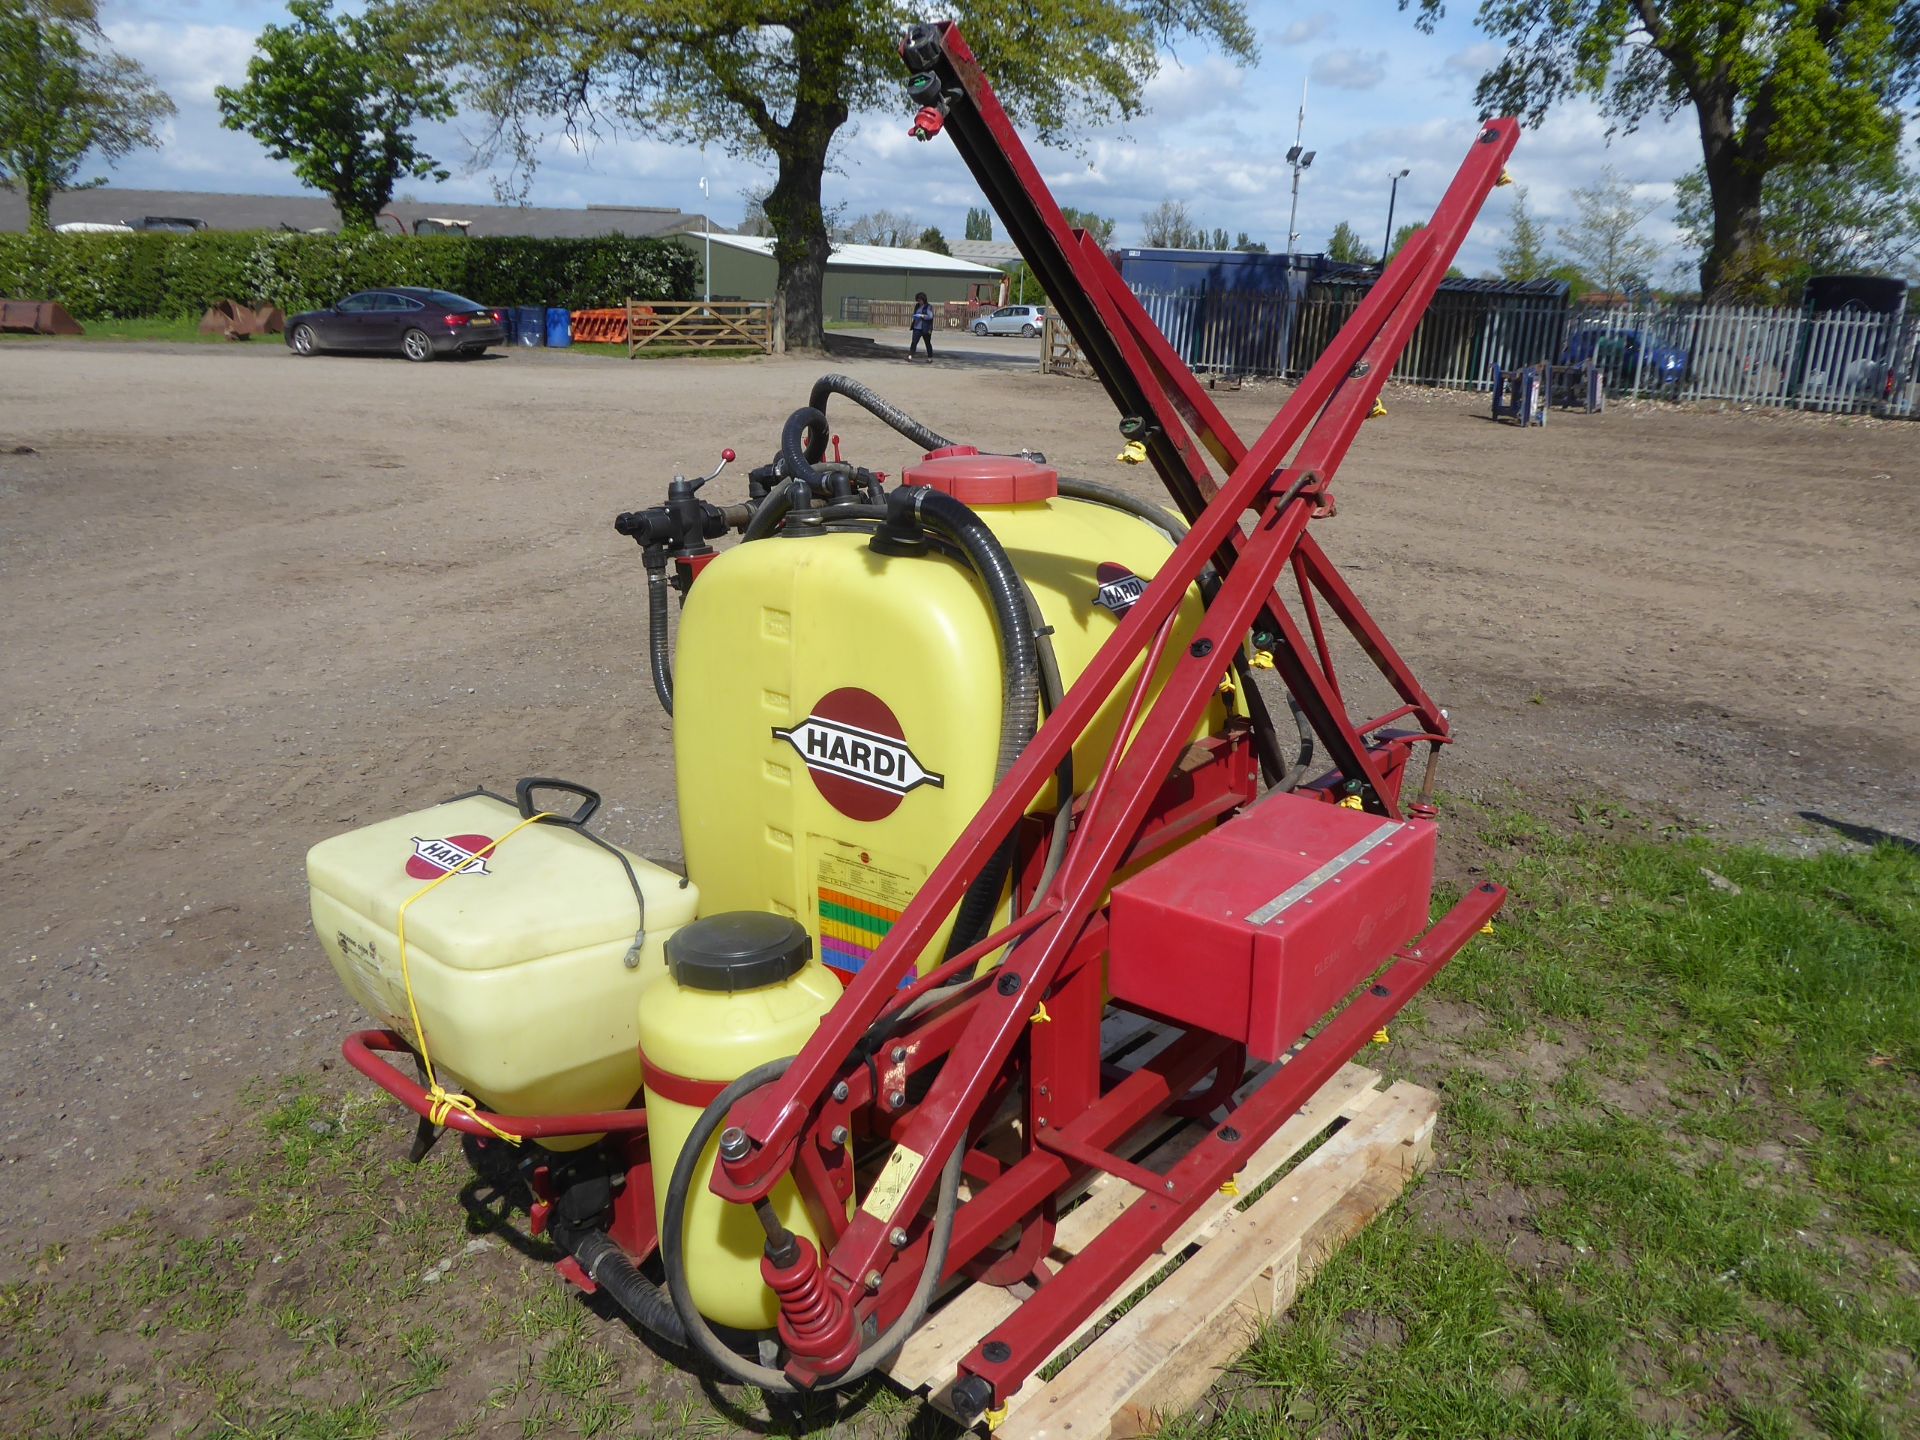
(250,601)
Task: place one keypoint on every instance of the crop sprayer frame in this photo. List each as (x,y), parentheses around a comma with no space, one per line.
(942,1079)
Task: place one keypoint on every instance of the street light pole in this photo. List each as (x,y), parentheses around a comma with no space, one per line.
(1299,159)
(706,230)
(1386,246)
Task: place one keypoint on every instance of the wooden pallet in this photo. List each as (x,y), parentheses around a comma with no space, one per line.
(1236,1267)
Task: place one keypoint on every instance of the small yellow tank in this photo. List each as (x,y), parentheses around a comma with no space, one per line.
(838,710)
(739,990)
(524,964)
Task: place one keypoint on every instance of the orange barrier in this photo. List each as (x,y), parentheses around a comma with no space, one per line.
(599,327)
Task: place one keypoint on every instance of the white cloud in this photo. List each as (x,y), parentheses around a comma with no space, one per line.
(1301,31)
(1474,61)
(1184,92)
(1350,69)
(186,60)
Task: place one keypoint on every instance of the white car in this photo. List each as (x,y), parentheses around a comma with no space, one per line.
(1012,320)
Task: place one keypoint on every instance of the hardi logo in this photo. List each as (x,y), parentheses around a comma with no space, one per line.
(1120,589)
(434,858)
(857,754)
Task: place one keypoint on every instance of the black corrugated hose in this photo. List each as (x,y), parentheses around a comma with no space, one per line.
(657,637)
(921,435)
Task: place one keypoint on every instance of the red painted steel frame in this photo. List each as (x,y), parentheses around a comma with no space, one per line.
(1282,479)
(363,1049)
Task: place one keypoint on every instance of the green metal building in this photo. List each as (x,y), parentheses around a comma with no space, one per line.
(744,269)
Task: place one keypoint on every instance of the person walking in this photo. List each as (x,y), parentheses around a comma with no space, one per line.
(922,326)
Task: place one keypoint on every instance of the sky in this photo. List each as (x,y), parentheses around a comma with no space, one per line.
(1381,97)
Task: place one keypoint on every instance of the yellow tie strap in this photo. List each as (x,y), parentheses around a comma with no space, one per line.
(440,1102)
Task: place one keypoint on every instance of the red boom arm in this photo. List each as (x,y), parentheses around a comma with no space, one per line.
(1282,480)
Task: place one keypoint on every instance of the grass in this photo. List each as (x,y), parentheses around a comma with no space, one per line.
(1675,1193)
(187,330)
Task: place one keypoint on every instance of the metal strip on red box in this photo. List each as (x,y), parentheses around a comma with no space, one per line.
(1255,931)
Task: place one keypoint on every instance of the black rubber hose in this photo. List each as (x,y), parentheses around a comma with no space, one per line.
(608,1267)
(775,508)
(673,1224)
(1168,524)
(657,636)
(866,399)
(1020,675)
(803,440)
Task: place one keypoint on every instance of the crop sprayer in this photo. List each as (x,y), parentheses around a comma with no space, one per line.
(966,765)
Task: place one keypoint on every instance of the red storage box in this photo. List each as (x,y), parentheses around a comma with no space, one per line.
(1258,929)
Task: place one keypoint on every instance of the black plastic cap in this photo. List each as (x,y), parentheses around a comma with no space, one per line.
(739,950)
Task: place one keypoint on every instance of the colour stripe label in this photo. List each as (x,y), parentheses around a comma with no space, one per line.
(858,902)
(851,928)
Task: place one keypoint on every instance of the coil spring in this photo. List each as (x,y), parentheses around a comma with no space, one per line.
(805,1301)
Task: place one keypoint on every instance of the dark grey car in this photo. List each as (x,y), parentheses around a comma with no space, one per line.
(416,323)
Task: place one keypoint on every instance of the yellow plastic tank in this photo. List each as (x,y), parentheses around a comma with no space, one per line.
(524,964)
(837,710)
(740,990)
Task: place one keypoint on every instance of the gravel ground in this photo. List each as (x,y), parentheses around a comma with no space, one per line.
(251,601)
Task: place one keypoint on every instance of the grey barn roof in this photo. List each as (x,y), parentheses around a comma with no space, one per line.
(112,204)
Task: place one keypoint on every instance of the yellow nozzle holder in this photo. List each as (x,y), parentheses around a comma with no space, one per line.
(1506,178)
(1379,411)
(1133,453)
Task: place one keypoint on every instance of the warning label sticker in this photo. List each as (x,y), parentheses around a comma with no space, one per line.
(890,1185)
(860,898)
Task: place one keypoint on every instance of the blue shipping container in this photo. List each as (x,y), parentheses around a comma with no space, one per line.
(559,327)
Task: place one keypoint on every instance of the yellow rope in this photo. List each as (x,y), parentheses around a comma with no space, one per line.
(440,1103)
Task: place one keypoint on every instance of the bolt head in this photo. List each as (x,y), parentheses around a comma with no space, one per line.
(840,1091)
(899,1054)
(733,1143)
(895,1099)
(838,1135)
(897,1238)
(873,1279)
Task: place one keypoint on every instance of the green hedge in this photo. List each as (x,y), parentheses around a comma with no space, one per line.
(137,276)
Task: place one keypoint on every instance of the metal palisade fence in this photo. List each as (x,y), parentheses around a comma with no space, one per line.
(1842,361)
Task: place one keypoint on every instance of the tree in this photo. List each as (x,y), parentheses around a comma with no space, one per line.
(337,96)
(1098,226)
(1772,83)
(1168,226)
(1218,240)
(1819,220)
(882,227)
(932,239)
(781,79)
(1250,247)
(1346,246)
(979,223)
(754,219)
(1604,241)
(1524,256)
(62,98)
